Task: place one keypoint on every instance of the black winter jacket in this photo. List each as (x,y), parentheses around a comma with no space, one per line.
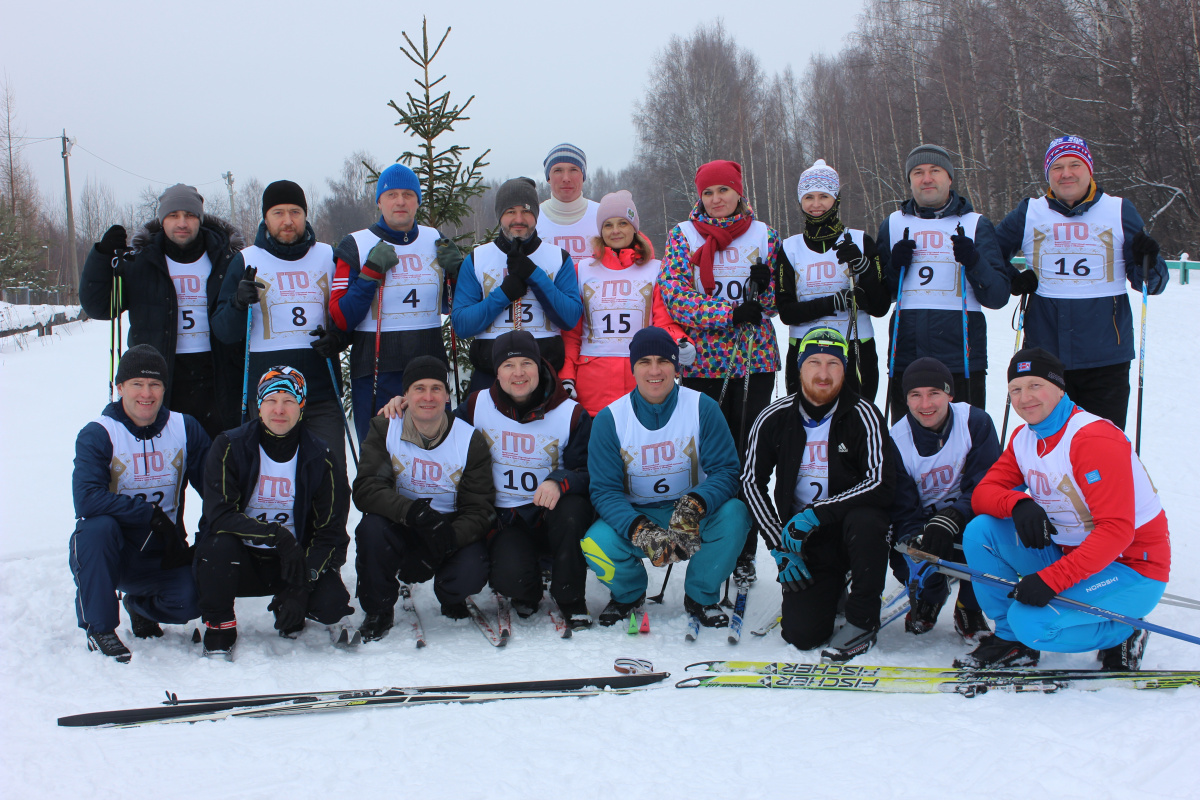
(321,497)
(862,463)
(148,294)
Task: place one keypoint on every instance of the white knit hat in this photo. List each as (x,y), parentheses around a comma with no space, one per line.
(820,177)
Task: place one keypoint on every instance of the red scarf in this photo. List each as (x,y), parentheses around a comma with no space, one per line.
(715,239)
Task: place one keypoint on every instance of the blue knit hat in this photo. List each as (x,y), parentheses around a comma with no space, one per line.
(653,342)
(397,176)
(566,154)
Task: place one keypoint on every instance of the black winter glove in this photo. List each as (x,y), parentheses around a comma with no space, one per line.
(1032,591)
(841,300)
(521,265)
(176,552)
(1143,245)
(290,607)
(247,290)
(902,252)
(291,558)
(328,343)
(513,287)
(431,526)
(940,532)
(749,311)
(1032,523)
(1025,282)
(114,239)
(851,255)
(760,276)
(449,258)
(380,259)
(162,524)
(964,249)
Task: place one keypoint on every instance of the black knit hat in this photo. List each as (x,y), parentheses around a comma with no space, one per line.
(517,192)
(141,361)
(283,193)
(512,344)
(653,342)
(421,368)
(927,372)
(1036,362)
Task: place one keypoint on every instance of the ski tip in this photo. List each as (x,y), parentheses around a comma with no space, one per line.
(195,636)
(700,665)
(420,643)
(633,666)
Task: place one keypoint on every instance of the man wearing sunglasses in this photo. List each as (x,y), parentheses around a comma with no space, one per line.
(834,470)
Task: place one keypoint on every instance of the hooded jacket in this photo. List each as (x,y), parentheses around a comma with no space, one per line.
(148,294)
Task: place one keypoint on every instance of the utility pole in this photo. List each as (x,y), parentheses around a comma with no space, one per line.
(72,264)
(228,176)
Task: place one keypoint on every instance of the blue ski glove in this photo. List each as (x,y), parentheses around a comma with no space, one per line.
(797,530)
(793,574)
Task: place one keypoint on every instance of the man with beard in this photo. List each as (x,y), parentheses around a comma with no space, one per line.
(169,285)
(834,470)
(282,281)
(515,282)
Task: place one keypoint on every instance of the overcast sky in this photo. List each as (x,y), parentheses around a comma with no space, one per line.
(186,91)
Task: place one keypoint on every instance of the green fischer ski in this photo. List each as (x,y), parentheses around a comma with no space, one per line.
(924,680)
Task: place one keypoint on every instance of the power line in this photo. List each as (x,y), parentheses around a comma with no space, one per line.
(134,174)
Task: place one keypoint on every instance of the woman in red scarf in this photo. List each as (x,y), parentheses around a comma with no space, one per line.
(617,286)
(718,282)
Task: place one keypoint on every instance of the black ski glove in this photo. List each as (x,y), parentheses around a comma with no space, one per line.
(247,290)
(1032,523)
(750,311)
(940,532)
(1143,245)
(449,258)
(1025,282)
(964,249)
(902,252)
(841,300)
(760,276)
(513,287)
(290,607)
(521,265)
(1032,591)
(851,255)
(328,343)
(380,259)
(291,558)
(176,552)
(433,528)
(114,239)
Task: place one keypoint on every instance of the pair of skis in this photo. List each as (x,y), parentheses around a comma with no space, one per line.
(736,619)
(267,705)
(922,680)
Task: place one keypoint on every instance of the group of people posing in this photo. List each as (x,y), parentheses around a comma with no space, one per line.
(605,393)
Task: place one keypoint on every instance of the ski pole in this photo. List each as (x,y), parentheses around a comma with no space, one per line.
(1016,347)
(658,598)
(962,288)
(1146,264)
(345,421)
(965,572)
(750,292)
(895,335)
(852,322)
(114,324)
(249,275)
(453,344)
(378,331)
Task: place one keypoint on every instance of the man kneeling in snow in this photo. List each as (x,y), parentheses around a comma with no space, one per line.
(131,467)
(275,503)
(1091,528)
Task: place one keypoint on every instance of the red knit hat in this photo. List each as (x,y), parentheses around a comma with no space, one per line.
(719,173)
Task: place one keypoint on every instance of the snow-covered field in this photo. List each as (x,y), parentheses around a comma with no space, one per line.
(662,743)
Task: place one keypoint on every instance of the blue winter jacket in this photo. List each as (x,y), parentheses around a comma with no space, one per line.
(718,459)
(1090,331)
(92,476)
(939,334)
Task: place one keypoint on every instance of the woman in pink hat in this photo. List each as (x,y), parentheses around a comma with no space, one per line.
(718,282)
(620,297)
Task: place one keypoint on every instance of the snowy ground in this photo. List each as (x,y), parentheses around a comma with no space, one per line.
(662,743)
